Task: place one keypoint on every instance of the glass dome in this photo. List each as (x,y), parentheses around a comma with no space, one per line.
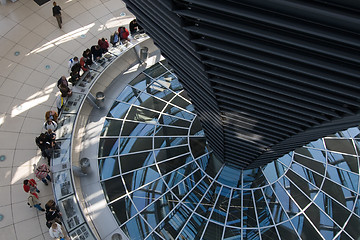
(161,180)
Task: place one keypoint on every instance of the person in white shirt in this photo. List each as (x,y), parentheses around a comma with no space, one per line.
(50,124)
(72,62)
(55,231)
(60,101)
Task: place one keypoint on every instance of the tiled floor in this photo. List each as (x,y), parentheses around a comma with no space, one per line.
(33,55)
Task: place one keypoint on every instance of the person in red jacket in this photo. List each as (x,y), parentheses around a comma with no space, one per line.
(104,45)
(123,33)
(30,186)
(83,64)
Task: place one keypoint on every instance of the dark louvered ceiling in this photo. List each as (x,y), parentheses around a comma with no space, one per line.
(264,76)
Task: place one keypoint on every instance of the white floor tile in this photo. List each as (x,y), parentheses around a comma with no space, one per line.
(12,124)
(26,141)
(6,66)
(32,227)
(25,157)
(20,13)
(7,232)
(5,45)
(20,73)
(17,33)
(22,211)
(10,88)
(32,125)
(6,25)
(8,140)
(30,40)
(5,104)
(5,199)
(32,21)
(5,177)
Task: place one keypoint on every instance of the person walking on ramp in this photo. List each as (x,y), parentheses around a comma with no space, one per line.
(57,13)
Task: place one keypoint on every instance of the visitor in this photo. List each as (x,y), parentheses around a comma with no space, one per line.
(30,186)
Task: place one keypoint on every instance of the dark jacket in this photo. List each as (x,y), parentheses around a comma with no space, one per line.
(56,10)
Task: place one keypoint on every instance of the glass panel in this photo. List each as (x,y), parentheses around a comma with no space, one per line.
(108,147)
(137,228)
(108,167)
(317,144)
(175,111)
(307,174)
(232,234)
(273,171)
(343,161)
(253,178)
(113,188)
(234,213)
(159,90)
(340,145)
(249,217)
(180,102)
(213,167)
(198,146)
(230,176)
(196,128)
(148,194)
(111,127)
(352,227)
(147,101)
(194,197)
(173,121)
(142,115)
(137,129)
(187,185)
(268,233)
(192,228)
(128,95)
(140,177)
(251,234)
(308,231)
(173,223)
(286,159)
(161,142)
(279,203)
(135,161)
(344,178)
(338,213)
(263,213)
(173,80)
(163,154)
(286,231)
(213,231)
(176,176)
(171,131)
(153,214)
(310,153)
(208,201)
(294,191)
(311,164)
(129,145)
(354,132)
(141,81)
(220,211)
(327,228)
(117,209)
(118,110)
(155,70)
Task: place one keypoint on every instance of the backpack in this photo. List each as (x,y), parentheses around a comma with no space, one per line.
(30,200)
(112,36)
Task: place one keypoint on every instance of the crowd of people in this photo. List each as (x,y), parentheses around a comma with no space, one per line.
(46,141)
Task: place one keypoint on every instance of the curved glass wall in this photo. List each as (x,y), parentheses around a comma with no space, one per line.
(161,180)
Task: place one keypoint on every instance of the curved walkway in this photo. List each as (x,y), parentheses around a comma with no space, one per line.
(34,53)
